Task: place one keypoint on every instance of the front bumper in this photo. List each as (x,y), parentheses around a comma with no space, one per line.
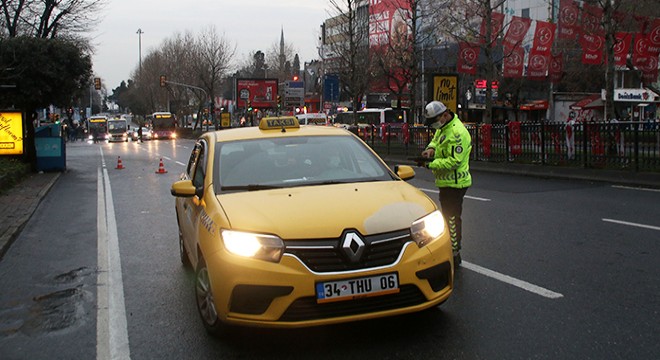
(258,293)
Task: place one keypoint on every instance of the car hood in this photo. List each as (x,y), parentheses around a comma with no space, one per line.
(327,210)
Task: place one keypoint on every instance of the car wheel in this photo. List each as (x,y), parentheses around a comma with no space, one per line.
(204,297)
(182,252)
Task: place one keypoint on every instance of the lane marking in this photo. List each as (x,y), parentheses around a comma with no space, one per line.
(632,224)
(635,188)
(111,324)
(166,158)
(180,163)
(512,281)
(466,196)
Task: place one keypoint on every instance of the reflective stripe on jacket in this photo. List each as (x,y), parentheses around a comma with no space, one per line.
(452,144)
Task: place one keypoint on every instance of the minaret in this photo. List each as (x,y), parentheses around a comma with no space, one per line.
(282,56)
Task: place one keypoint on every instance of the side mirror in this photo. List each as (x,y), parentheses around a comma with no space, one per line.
(405,172)
(183,188)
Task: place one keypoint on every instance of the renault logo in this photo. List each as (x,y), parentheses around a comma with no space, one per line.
(353,246)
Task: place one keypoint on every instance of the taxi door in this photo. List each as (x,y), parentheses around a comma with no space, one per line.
(191,208)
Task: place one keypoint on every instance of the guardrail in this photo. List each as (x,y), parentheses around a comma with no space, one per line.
(633,146)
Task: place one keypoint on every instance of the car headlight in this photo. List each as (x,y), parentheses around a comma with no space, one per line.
(428,228)
(257,246)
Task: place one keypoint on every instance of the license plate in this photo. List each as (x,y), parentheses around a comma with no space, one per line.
(357,288)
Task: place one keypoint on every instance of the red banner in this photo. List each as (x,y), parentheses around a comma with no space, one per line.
(654,34)
(592,49)
(514,63)
(621,47)
(496,22)
(544,35)
(569,12)
(556,71)
(468,54)
(592,17)
(486,139)
(518,28)
(514,138)
(260,93)
(641,53)
(537,66)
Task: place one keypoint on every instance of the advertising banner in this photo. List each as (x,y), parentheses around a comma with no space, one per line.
(260,93)
(11,133)
(445,88)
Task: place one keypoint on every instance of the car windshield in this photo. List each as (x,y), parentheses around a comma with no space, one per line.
(295,161)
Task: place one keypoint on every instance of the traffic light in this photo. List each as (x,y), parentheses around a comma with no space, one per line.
(279,101)
(97,83)
(249,105)
(163,80)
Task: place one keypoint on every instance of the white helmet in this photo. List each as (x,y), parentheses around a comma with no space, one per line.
(433,109)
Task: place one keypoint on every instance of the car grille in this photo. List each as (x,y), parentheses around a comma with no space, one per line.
(307,308)
(327,255)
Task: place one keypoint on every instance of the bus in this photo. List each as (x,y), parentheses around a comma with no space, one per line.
(97,127)
(372,119)
(118,130)
(163,125)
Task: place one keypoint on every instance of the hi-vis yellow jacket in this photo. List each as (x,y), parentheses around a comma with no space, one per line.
(452,144)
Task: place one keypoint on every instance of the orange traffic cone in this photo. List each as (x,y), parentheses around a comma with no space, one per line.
(119,164)
(161,168)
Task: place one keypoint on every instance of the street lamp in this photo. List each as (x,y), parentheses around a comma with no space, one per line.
(140,32)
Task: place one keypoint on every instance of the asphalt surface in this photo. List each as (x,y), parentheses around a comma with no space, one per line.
(19,203)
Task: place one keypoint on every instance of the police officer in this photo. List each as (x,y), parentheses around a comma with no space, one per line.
(450,153)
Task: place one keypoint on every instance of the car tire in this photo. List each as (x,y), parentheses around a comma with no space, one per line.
(204,299)
(182,252)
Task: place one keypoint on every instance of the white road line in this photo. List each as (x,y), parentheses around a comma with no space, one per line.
(632,224)
(512,281)
(466,196)
(166,158)
(180,163)
(111,325)
(635,188)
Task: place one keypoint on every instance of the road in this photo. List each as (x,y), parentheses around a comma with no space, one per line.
(552,269)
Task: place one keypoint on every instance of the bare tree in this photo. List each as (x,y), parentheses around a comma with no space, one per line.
(349,47)
(49,18)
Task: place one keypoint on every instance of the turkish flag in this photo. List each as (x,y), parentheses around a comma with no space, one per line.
(569,13)
(468,54)
(518,28)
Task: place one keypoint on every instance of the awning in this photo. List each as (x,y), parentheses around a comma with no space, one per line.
(589,102)
(535,105)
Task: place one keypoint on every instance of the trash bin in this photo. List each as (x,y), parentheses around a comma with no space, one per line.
(51,152)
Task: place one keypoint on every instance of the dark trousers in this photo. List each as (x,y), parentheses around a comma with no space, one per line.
(451,203)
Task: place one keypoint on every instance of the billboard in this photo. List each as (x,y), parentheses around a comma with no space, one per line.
(260,93)
(11,133)
(444,88)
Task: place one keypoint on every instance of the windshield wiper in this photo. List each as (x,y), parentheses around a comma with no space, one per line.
(250,187)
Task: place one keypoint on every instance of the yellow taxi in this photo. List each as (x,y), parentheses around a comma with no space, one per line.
(292,226)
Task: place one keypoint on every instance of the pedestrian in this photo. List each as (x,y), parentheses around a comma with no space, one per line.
(449,151)
(140,133)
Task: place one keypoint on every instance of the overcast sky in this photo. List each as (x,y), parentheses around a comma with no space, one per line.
(249,24)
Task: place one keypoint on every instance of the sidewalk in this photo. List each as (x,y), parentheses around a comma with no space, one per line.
(20,202)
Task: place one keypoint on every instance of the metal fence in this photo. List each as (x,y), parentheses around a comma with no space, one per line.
(633,146)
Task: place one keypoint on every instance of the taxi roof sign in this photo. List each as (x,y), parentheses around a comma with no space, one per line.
(276,123)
